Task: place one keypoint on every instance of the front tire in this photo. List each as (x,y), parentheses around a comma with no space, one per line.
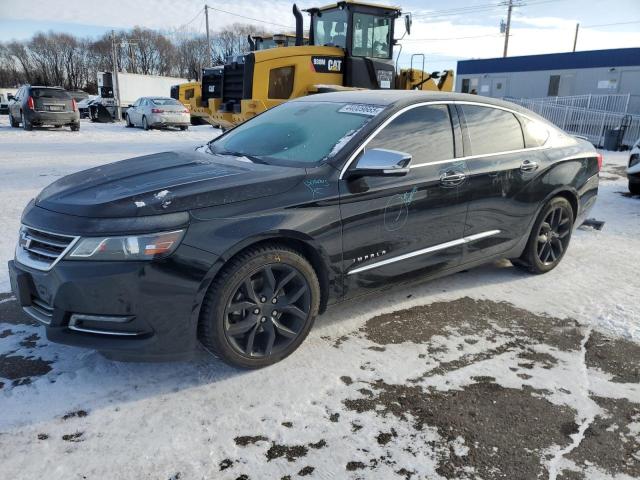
(260,308)
(75,127)
(12,121)
(184,127)
(549,237)
(128,121)
(634,188)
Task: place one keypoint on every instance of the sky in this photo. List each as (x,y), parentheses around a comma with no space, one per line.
(444,31)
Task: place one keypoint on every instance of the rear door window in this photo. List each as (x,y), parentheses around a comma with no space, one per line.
(424,132)
(491,130)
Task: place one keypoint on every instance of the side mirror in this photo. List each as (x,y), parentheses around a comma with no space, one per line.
(379,162)
(130,106)
(10,96)
(407,23)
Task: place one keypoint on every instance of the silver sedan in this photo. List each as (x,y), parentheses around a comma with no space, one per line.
(156,112)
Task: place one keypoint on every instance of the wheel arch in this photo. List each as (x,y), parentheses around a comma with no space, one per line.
(571,196)
(303,244)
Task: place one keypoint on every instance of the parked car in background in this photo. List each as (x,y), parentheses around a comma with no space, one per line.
(633,169)
(4,103)
(78,95)
(240,243)
(6,94)
(38,106)
(84,105)
(157,112)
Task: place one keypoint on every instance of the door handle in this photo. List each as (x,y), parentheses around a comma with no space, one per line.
(528,166)
(452,179)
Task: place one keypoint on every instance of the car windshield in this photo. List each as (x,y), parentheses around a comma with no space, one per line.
(50,93)
(164,101)
(297,133)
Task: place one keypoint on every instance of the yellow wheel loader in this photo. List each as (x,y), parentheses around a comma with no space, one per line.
(350,46)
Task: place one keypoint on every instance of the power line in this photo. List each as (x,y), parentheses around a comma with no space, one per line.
(476,9)
(611,24)
(495,35)
(250,18)
(191,21)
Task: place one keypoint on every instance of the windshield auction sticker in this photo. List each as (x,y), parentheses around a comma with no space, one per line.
(362,109)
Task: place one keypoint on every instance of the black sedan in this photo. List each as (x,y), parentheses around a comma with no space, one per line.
(239,244)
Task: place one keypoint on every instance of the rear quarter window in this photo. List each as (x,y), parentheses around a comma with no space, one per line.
(491,130)
(536,134)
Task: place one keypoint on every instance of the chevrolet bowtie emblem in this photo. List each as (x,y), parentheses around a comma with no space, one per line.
(25,242)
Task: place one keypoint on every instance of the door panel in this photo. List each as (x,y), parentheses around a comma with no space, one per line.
(499,180)
(394,226)
(135,113)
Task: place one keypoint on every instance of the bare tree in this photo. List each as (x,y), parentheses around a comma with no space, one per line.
(65,60)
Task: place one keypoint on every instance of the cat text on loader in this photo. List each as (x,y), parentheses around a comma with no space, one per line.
(350,46)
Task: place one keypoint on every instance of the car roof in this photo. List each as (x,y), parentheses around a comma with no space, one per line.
(401,98)
(44,86)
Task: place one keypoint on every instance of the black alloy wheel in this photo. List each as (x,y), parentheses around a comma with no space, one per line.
(553,235)
(268,311)
(260,307)
(549,238)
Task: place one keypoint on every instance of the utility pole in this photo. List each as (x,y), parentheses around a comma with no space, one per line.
(507,28)
(116,84)
(575,39)
(206,17)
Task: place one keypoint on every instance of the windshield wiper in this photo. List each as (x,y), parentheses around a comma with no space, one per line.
(253,158)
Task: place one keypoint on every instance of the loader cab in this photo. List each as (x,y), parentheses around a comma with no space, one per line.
(365,32)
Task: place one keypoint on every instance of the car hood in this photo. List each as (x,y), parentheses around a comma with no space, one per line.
(164,183)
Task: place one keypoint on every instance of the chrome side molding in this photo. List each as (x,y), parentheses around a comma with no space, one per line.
(425,251)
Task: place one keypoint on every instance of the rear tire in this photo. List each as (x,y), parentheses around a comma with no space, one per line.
(549,237)
(260,308)
(184,127)
(634,188)
(75,127)
(145,124)
(26,125)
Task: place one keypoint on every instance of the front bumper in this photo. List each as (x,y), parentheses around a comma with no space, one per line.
(127,310)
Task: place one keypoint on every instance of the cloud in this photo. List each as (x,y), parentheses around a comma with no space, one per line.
(464,41)
(155,14)
(545,22)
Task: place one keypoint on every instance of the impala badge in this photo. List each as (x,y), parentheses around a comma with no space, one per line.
(369,256)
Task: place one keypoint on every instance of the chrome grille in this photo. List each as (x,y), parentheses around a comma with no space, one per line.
(40,249)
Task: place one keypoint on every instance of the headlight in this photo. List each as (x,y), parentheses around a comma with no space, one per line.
(634,160)
(131,247)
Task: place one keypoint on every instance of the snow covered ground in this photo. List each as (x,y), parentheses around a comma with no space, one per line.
(490,373)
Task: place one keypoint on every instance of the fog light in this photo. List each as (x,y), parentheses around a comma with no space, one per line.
(101,324)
